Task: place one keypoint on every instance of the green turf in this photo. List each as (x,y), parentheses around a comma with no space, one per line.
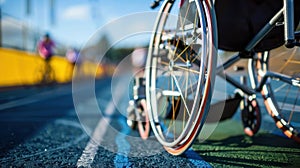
(229,147)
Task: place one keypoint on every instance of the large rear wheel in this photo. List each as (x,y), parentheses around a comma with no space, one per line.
(180,72)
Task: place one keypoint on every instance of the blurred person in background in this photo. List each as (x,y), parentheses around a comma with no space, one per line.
(45,49)
(72,55)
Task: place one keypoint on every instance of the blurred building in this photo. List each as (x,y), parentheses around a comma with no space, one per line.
(23,23)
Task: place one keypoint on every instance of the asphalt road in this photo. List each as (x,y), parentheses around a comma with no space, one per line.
(40,128)
(55,126)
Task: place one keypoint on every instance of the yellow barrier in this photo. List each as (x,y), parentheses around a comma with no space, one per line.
(19,68)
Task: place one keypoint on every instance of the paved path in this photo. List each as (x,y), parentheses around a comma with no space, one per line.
(39,127)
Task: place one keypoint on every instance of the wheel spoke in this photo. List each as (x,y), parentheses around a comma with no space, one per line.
(185,49)
(178,55)
(181,94)
(180,67)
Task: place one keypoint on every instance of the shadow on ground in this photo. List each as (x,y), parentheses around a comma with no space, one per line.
(239,150)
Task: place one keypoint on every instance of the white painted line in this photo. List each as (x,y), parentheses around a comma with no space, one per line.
(280,87)
(91,148)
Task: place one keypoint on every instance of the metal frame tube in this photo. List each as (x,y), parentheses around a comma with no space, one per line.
(264,31)
(288,6)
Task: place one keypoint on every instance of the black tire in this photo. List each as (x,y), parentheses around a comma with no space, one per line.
(180,72)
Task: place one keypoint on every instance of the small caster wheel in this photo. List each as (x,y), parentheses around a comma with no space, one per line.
(251,116)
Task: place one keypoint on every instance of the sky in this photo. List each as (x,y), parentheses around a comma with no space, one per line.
(76,21)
